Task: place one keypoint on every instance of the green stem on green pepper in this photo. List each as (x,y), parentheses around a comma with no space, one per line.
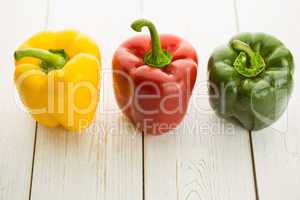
(240,64)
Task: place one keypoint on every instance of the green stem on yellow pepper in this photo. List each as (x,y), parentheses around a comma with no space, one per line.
(51,59)
(157,57)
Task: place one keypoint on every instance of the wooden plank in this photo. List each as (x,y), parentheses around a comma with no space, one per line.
(276,149)
(206,158)
(18,19)
(106,161)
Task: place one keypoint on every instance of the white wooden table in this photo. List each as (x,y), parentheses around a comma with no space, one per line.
(205,159)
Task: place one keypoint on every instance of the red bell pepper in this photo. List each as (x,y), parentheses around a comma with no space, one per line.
(154,78)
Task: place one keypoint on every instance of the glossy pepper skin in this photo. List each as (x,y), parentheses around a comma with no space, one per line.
(154,91)
(251,79)
(57,75)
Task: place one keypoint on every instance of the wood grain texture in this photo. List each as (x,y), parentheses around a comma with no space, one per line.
(18,19)
(276,149)
(205,158)
(106,161)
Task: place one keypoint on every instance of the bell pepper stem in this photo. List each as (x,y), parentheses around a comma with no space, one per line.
(51,59)
(157,57)
(257,63)
(242,46)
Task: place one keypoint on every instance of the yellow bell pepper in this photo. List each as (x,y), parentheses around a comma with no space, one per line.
(57,75)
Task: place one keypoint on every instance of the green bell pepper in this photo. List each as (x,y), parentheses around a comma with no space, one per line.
(251,79)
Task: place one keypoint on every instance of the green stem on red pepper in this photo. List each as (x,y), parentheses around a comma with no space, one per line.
(257,64)
(51,59)
(157,57)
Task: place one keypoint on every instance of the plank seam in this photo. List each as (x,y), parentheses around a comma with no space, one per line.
(143,166)
(236,13)
(236,16)
(47,14)
(36,123)
(253,166)
(33,159)
(141,7)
